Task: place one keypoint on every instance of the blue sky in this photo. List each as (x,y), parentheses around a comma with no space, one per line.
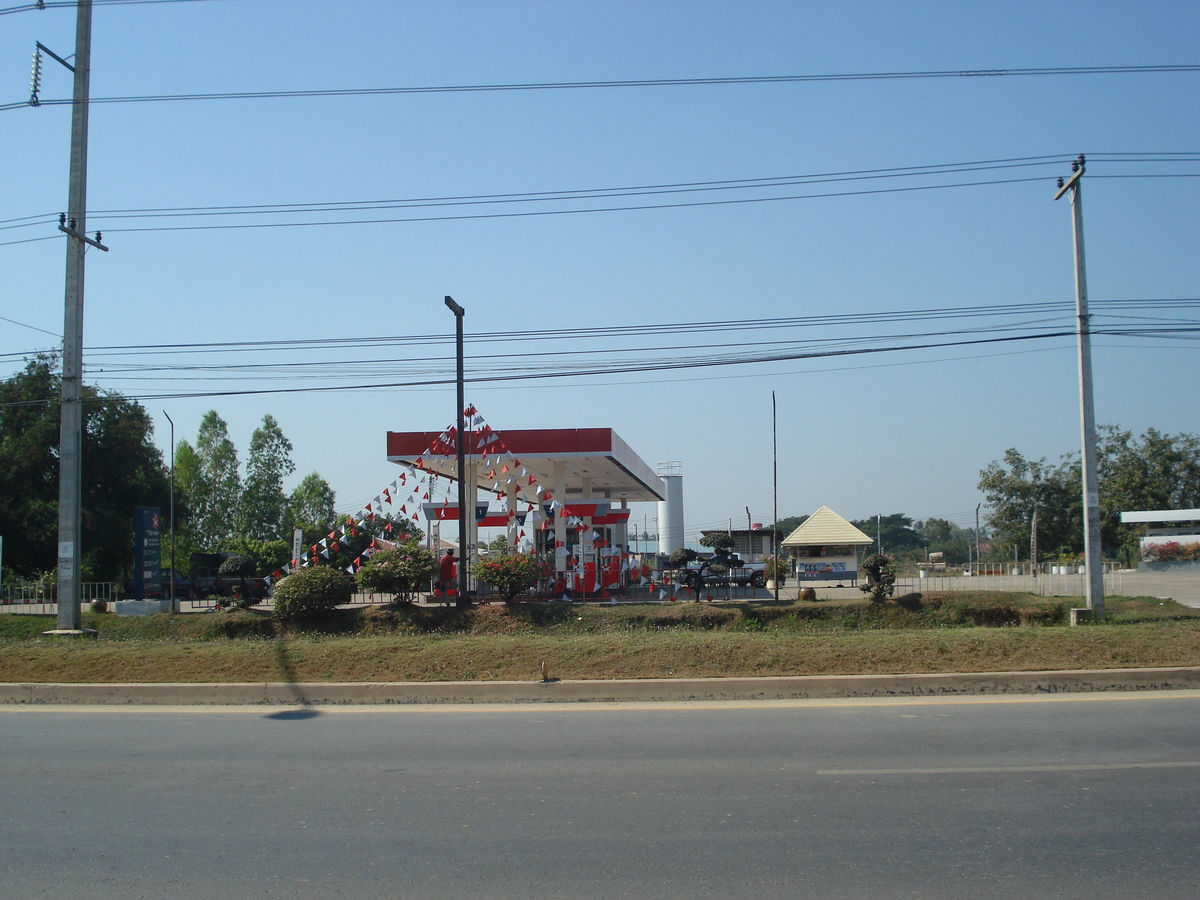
(877,433)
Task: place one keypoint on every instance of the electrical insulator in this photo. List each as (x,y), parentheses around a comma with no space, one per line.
(35,78)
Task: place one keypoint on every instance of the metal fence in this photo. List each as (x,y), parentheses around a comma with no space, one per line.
(42,599)
(1054,583)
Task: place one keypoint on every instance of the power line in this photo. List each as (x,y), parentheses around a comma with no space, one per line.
(564,212)
(1043,311)
(58,4)
(624,190)
(661,365)
(32,327)
(588,194)
(580,193)
(637,83)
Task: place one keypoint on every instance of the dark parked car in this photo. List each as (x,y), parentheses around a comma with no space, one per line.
(183,587)
(728,569)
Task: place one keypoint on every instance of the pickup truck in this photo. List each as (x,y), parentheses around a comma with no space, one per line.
(183,587)
(735,570)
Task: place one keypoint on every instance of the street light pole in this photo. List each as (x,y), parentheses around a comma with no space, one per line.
(1087,413)
(460,441)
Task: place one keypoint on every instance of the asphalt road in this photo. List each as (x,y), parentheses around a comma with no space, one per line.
(1070,796)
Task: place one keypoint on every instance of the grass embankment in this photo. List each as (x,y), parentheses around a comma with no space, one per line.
(936,633)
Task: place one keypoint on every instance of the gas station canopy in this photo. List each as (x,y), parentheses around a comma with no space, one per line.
(594,457)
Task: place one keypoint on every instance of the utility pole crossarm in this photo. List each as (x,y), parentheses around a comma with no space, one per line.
(1070,183)
(66,229)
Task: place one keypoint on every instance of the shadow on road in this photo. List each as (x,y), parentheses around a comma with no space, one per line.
(288,670)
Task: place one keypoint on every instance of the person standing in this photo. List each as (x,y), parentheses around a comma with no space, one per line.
(448,574)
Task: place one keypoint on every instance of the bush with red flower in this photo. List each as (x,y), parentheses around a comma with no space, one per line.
(1171,551)
(511,573)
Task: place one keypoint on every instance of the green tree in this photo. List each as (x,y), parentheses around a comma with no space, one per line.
(310,508)
(789,524)
(349,548)
(267,555)
(1154,471)
(242,567)
(121,469)
(1016,487)
(215,486)
(681,557)
(500,544)
(945,537)
(262,503)
(895,532)
(720,542)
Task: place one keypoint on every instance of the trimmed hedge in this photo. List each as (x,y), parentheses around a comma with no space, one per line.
(311,591)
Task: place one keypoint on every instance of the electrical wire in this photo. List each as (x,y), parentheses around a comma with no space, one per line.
(691,362)
(639,83)
(577,194)
(600,193)
(59,4)
(541,213)
(114,358)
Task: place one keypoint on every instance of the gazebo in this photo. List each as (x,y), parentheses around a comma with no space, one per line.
(825,548)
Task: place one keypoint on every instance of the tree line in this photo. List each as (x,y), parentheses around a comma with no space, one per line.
(1037,506)
(221,506)
(217,507)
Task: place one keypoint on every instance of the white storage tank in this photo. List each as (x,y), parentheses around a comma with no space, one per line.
(670,511)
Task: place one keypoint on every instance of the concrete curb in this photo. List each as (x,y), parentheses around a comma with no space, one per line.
(803,687)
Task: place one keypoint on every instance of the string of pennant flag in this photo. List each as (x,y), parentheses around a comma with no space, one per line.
(416,484)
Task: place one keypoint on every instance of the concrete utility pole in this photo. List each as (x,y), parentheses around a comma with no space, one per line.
(174,605)
(1087,413)
(70,551)
(977,505)
(775,493)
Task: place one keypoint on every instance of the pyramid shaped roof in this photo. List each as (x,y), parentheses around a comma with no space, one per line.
(823,528)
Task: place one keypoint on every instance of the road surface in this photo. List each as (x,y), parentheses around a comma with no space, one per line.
(1068,796)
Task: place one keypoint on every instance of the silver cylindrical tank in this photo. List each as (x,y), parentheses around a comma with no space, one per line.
(670,511)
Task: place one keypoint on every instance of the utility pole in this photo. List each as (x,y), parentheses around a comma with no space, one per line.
(1033,544)
(72,223)
(977,505)
(775,493)
(1087,413)
(174,607)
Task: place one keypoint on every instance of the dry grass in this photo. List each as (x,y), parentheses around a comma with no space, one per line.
(652,641)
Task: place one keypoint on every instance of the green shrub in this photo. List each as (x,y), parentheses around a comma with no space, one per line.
(267,555)
(681,557)
(310,592)
(775,568)
(881,577)
(401,571)
(511,573)
(242,566)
